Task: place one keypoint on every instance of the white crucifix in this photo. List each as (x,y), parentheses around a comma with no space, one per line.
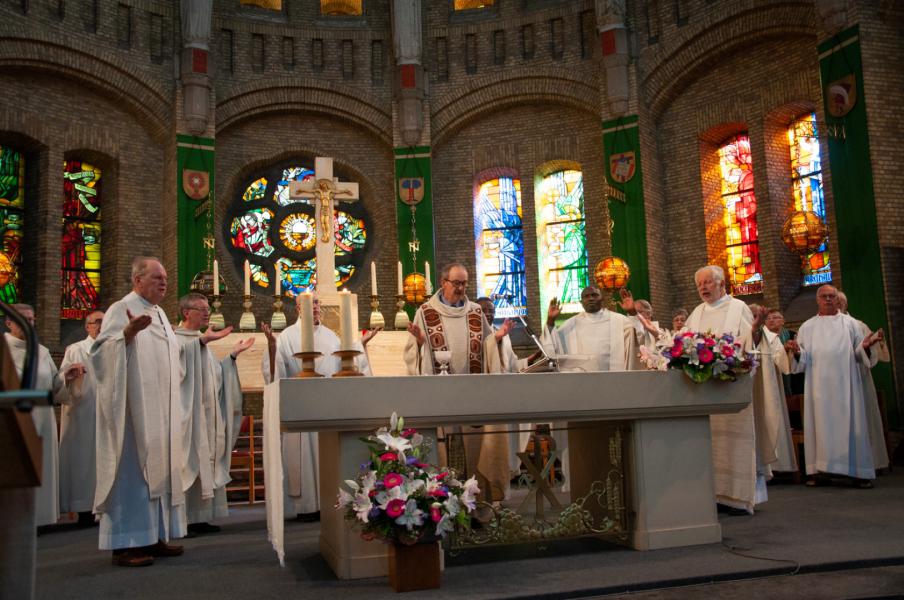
(324,190)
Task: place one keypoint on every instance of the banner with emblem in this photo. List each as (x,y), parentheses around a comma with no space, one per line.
(195,184)
(622,166)
(841,95)
(411,190)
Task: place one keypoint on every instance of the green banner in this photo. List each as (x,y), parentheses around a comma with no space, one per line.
(841,72)
(624,191)
(414,209)
(195,216)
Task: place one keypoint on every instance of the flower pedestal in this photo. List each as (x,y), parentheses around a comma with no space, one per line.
(414,567)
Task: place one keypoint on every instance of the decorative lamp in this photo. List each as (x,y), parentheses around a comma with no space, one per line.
(415,288)
(7,270)
(612,273)
(803,232)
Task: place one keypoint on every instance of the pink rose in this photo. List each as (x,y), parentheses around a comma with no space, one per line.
(442,475)
(727,350)
(688,334)
(676,350)
(395,508)
(388,456)
(709,342)
(705,355)
(407,433)
(392,480)
(435,514)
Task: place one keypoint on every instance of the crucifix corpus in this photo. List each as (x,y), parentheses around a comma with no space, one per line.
(324,190)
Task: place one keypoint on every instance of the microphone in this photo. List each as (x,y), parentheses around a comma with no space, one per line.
(502,296)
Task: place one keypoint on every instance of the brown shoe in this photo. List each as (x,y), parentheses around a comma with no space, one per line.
(161,548)
(132,557)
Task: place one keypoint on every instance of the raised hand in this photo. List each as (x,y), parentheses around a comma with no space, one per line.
(792,346)
(648,325)
(240,346)
(74,371)
(268,333)
(504,329)
(555,309)
(759,317)
(417,333)
(626,301)
(211,335)
(369,335)
(134,326)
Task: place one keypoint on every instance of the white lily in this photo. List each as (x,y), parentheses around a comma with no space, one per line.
(453,506)
(386,496)
(444,526)
(413,516)
(393,443)
(344,499)
(362,506)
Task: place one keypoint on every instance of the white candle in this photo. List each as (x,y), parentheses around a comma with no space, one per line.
(346,327)
(278,288)
(216,278)
(401,288)
(373,278)
(247,279)
(427,281)
(306,317)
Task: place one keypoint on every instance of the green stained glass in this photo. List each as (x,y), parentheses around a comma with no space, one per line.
(561,242)
(256,191)
(12,203)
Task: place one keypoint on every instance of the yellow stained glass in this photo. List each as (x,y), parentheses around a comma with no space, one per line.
(473,4)
(350,8)
(268,4)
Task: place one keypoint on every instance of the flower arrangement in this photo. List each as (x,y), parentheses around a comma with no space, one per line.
(702,356)
(396,497)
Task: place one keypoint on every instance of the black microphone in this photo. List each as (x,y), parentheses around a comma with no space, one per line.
(502,296)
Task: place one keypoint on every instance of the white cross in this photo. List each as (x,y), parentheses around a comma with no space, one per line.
(324,190)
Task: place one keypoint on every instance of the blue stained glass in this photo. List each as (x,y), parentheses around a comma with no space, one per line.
(500,246)
(806,180)
(281,195)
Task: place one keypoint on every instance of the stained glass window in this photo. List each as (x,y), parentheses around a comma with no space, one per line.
(806,180)
(561,243)
(340,7)
(12,212)
(500,246)
(266,226)
(81,239)
(745,276)
(268,4)
(472,4)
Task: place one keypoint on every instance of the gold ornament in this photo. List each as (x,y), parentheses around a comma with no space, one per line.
(803,232)
(414,288)
(612,273)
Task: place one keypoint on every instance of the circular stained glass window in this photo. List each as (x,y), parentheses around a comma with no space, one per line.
(265,226)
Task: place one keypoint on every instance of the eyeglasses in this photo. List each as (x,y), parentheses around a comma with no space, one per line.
(97,322)
(200,310)
(457,283)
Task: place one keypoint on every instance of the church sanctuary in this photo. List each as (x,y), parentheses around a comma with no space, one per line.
(469,298)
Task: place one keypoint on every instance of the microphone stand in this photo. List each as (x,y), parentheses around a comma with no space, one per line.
(550,363)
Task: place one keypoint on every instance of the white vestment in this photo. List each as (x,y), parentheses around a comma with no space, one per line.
(775,357)
(77,424)
(212,397)
(836,428)
(740,479)
(486,452)
(300,451)
(607,341)
(871,400)
(47,497)
(139,494)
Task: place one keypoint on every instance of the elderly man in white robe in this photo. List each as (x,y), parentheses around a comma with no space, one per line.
(47,498)
(601,339)
(833,351)
(212,411)
(742,444)
(300,451)
(449,322)
(77,424)
(140,492)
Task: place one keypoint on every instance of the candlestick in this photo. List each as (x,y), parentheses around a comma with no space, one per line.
(247,279)
(346,326)
(307,364)
(247,322)
(306,316)
(376,317)
(428,284)
(278,318)
(373,278)
(401,317)
(401,289)
(216,278)
(347,361)
(216,317)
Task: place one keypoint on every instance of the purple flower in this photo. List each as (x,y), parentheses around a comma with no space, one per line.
(411,460)
(374,512)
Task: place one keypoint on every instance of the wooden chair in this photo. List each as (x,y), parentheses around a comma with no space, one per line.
(243,459)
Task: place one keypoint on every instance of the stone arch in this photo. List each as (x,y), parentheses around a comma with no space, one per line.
(489,94)
(108,77)
(664,81)
(306,95)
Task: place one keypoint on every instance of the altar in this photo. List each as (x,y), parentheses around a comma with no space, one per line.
(669,478)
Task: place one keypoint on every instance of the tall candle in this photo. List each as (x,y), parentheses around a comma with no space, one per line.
(306,319)
(373,278)
(346,327)
(401,288)
(216,278)
(427,281)
(278,287)
(247,279)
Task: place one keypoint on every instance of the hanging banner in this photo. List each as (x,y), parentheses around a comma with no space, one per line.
(414,206)
(195,184)
(195,160)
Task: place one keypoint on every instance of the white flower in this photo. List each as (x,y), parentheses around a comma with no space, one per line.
(352,484)
(362,506)
(344,499)
(367,484)
(394,422)
(453,506)
(413,485)
(393,443)
(413,516)
(469,495)
(444,526)
(386,496)
(416,440)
